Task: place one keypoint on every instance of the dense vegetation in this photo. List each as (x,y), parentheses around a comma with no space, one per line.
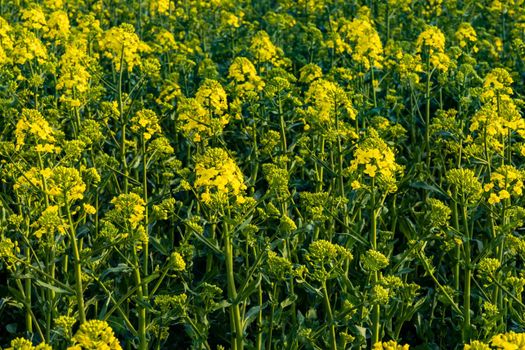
(270,174)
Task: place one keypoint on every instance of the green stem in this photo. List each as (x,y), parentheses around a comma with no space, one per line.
(427,113)
(376,310)
(274,300)
(143,345)
(468,272)
(232,292)
(77,266)
(333,339)
(123,125)
(29,320)
(146,220)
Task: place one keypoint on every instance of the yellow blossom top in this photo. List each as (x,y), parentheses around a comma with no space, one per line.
(218,177)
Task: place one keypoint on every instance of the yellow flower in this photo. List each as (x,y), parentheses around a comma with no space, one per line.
(218,176)
(390,345)
(50,222)
(493,199)
(432,42)
(34,18)
(328,98)
(433,39)
(58,24)
(160,7)
(24,344)
(122,42)
(466,34)
(74,77)
(509,341)
(147,122)
(32,123)
(65,185)
(375,157)
(244,76)
(95,334)
(28,47)
(264,51)
(89,209)
(476,345)
(364,43)
(212,96)
(129,209)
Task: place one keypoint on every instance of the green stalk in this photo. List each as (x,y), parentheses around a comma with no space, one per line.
(235,311)
(123,123)
(376,310)
(457,272)
(145,195)
(143,345)
(29,320)
(427,113)
(284,146)
(272,311)
(76,263)
(373,88)
(260,318)
(333,339)
(28,308)
(468,272)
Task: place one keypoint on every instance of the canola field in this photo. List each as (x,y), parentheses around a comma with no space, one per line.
(262,174)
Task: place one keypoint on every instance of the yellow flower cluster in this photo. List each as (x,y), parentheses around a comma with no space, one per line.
(28,47)
(50,222)
(95,334)
(464,184)
(244,76)
(218,177)
(146,122)
(129,208)
(177,262)
(504,341)
(205,115)
(24,344)
(509,341)
(6,42)
(123,44)
(323,254)
(74,77)
(33,126)
(231,20)
(34,18)
(476,345)
(499,115)
(505,181)
(58,26)
(432,42)
(376,159)
(466,35)
(390,345)
(363,42)
(264,51)
(497,83)
(328,98)
(374,260)
(65,184)
(160,7)
(211,95)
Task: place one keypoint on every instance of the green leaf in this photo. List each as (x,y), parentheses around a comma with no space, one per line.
(248,289)
(289,301)
(52,287)
(251,315)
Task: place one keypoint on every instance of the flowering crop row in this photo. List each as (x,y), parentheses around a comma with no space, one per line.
(271,174)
